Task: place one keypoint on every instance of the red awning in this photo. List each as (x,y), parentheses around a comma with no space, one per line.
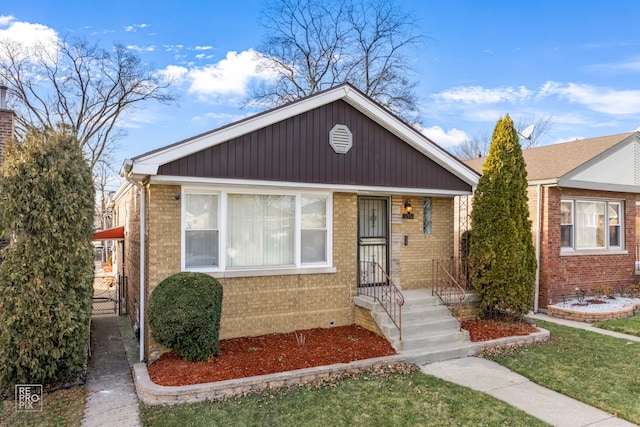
(112,233)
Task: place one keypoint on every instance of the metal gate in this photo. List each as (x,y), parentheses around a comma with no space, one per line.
(106,293)
(373,238)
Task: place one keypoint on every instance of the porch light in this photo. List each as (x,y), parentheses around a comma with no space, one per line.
(408,210)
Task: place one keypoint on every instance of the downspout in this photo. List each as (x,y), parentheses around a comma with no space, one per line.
(128,165)
(538,220)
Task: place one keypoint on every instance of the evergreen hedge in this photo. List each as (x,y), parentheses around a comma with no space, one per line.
(184,315)
(47,202)
(502,263)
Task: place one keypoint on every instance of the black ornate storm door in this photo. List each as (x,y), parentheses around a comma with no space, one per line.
(373,239)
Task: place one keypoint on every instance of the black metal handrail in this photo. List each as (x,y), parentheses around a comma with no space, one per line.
(446,287)
(375,282)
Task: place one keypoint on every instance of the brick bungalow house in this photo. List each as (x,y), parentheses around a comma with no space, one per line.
(582,204)
(282,206)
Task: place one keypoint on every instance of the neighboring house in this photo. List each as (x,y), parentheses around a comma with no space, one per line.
(582,204)
(281,207)
(7,131)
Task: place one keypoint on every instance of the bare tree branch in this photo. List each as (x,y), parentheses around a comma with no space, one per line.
(78,88)
(478,146)
(311,45)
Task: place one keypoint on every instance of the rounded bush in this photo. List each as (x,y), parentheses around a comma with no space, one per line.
(184,315)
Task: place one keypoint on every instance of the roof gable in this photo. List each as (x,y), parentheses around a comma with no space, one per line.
(299,149)
(605,163)
(617,168)
(150,163)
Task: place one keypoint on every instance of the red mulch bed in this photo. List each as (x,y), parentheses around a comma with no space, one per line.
(267,354)
(484,330)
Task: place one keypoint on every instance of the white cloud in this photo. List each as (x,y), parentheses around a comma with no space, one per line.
(596,98)
(632,65)
(229,76)
(443,138)
(203,47)
(480,95)
(5,20)
(174,73)
(221,118)
(173,48)
(141,48)
(28,34)
(135,27)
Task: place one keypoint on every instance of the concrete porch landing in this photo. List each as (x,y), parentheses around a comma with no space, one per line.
(429,332)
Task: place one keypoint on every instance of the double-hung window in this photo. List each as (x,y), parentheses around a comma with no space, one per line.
(591,224)
(201,230)
(257,231)
(313,230)
(260,230)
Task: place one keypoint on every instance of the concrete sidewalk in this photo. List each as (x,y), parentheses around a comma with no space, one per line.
(496,380)
(582,325)
(111,395)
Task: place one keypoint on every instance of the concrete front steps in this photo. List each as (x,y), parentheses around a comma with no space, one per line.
(429,332)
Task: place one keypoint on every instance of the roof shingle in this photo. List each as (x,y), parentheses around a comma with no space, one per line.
(554,161)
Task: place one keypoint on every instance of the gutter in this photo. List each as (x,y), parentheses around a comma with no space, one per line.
(538,238)
(125,172)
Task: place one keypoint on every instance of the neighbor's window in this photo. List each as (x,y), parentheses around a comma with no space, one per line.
(201,230)
(427,215)
(566,224)
(591,224)
(260,230)
(313,229)
(615,238)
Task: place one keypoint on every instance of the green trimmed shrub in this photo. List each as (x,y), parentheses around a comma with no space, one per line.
(184,315)
(47,202)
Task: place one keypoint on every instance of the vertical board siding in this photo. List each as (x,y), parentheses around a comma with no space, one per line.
(297,150)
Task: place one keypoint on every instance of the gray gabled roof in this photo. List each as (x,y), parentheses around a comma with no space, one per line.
(553,162)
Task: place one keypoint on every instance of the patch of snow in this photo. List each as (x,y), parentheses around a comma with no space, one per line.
(609,304)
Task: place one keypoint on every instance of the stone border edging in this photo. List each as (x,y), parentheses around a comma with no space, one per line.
(151,393)
(541,336)
(591,317)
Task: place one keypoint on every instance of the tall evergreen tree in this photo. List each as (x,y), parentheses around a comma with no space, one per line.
(502,260)
(46,205)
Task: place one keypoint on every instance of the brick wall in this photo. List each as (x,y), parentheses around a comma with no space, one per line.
(260,305)
(560,274)
(415,258)
(7,129)
(271,304)
(127,214)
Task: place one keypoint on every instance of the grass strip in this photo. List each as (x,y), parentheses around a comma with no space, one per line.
(596,369)
(629,325)
(61,408)
(398,399)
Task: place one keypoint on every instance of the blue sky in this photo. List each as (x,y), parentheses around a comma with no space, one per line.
(578,62)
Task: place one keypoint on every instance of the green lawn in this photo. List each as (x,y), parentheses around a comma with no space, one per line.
(408,399)
(630,325)
(63,408)
(599,370)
